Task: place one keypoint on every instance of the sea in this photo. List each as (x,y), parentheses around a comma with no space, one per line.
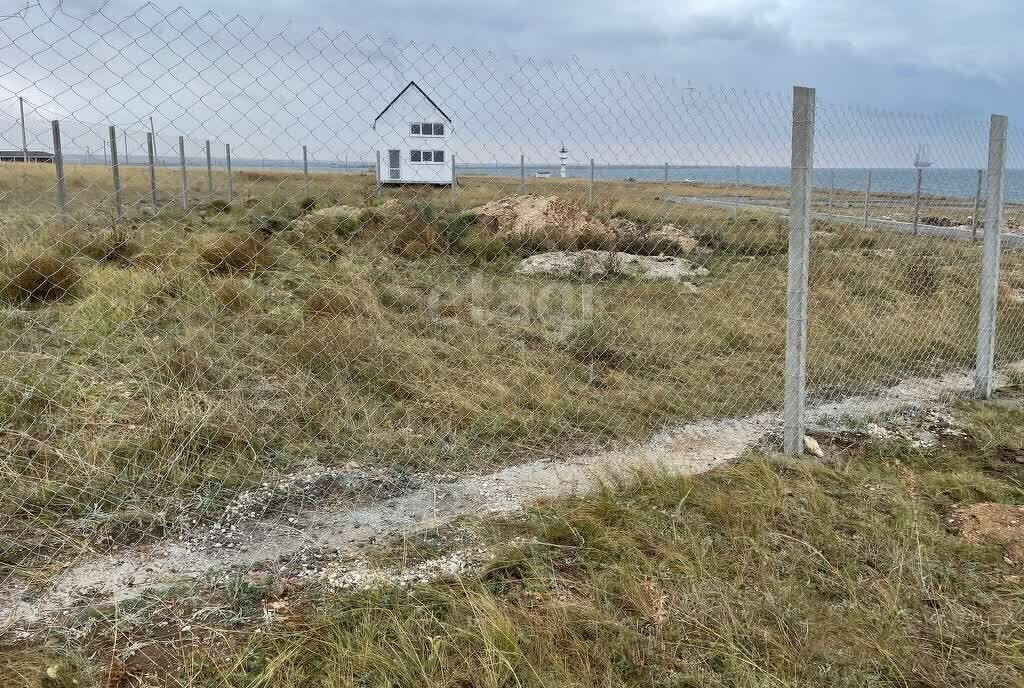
(958,183)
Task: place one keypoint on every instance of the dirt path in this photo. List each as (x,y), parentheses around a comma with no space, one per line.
(343,530)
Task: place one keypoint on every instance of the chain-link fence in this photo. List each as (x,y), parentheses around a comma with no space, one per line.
(270,296)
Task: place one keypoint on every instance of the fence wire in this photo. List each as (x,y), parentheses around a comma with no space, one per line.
(234,362)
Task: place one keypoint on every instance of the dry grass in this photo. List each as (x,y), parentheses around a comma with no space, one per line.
(40,278)
(768,572)
(238,253)
(171,382)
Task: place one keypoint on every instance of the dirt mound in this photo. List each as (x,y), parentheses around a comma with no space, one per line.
(997,524)
(531,215)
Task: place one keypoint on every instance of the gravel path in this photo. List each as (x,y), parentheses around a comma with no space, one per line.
(244,537)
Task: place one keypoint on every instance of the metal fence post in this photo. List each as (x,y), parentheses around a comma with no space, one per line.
(867,199)
(209,170)
(990,258)
(977,207)
(917,199)
(151,150)
(522,173)
(124,151)
(58,165)
(305,173)
(831,190)
(227,171)
(664,182)
(380,179)
(802,167)
(590,189)
(118,207)
(184,173)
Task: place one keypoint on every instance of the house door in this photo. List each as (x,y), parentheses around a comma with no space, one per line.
(394,158)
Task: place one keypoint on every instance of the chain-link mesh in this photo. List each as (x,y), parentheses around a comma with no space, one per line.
(283,314)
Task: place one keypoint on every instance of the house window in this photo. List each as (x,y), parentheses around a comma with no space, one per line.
(426,129)
(432,156)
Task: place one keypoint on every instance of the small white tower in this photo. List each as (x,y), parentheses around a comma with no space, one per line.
(563,155)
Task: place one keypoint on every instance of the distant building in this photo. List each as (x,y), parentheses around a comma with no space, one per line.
(19,156)
(413,146)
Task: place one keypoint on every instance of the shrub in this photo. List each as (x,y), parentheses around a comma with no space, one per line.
(415,242)
(40,278)
(454,228)
(270,224)
(307,205)
(237,253)
(114,246)
(217,205)
(592,343)
(484,248)
(346,225)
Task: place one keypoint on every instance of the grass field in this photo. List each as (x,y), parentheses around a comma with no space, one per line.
(191,354)
(771,572)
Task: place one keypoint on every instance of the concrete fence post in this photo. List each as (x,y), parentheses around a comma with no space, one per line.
(24,136)
(867,199)
(184,173)
(455,179)
(590,189)
(801,169)
(736,193)
(209,170)
(977,207)
(522,173)
(151,151)
(58,166)
(989,292)
(917,199)
(227,172)
(305,173)
(116,172)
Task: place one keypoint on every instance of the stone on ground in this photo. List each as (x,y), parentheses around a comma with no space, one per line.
(589,264)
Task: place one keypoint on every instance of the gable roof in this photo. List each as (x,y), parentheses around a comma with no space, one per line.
(411,84)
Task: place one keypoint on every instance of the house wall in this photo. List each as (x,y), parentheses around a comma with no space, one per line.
(393,132)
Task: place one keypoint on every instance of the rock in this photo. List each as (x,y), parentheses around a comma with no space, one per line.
(1010,294)
(678,237)
(550,217)
(588,264)
(812,447)
(666,239)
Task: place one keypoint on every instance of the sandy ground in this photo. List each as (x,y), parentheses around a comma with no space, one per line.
(323,536)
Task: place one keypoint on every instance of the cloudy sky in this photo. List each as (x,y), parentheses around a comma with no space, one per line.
(955,59)
(931,55)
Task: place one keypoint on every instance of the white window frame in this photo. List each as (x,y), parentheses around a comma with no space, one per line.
(427,136)
(421,161)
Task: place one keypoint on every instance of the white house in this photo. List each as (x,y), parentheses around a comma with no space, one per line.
(413,145)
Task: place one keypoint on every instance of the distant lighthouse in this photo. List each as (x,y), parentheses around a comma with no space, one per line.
(563,155)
